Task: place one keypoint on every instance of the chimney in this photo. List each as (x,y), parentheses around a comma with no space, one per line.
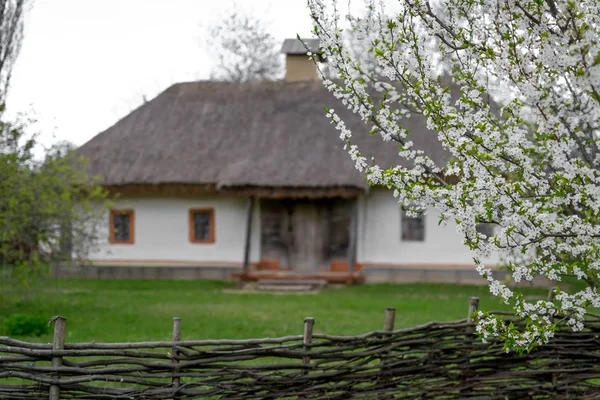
(298,67)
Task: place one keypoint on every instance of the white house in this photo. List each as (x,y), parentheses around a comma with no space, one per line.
(218,178)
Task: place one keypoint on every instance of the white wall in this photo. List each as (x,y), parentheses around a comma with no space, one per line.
(162,231)
(380,236)
(162,234)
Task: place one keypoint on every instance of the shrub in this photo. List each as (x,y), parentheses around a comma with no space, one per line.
(26,325)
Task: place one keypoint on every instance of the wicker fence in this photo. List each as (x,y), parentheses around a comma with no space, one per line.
(431,361)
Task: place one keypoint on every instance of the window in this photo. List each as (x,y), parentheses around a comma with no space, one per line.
(121,227)
(202,225)
(485,229)
(413,228)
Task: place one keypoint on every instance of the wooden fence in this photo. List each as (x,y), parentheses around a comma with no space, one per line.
(431,361)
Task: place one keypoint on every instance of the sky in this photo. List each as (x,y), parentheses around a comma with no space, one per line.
(85,64)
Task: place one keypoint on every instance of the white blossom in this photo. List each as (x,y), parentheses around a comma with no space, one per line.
(515,103)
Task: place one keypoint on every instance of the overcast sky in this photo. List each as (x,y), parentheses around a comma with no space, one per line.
(86,63)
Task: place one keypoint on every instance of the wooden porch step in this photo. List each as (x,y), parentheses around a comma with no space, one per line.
(294,282)
(289,276)
(291,284)
(285,288)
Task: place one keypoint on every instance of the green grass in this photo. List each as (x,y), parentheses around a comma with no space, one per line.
(140,310)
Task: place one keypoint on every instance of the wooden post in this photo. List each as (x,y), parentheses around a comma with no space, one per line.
(390,317)
(388,326)
(551,293)
(551,298)
(353,237)
(58,343)
(248,244)
(309,323)
(473,306)
(174,353)
(467,372)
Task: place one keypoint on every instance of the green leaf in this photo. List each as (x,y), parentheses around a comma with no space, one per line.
(596,59)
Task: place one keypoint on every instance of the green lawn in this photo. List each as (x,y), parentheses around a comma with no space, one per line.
(139,310)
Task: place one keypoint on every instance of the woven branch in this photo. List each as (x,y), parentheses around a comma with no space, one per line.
(433,361)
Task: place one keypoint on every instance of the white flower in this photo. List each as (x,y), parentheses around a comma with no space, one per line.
(531,167)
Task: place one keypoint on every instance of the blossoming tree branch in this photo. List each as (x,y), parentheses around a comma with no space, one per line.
(511,89)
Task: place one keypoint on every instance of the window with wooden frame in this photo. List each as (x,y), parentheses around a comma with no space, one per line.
(202,225)
(121,226)
(413,228)
(486,229)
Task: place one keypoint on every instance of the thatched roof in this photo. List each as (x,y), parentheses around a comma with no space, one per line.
(270,135)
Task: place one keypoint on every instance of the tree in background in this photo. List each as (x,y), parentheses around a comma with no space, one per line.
(11,38)
(530,167)
(244,49)
(49,207)
(50,210)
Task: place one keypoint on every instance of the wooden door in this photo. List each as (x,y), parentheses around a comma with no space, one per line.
(304,235)
(274,238)
(308,236)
